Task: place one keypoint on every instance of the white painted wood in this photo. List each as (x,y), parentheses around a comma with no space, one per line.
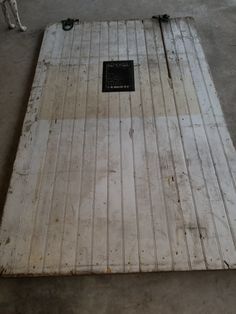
(212,251)
(86,206)
(61,182)
(130,230)
(21,176)
(216,161)
(147,251)
(115,209)
(122,181)
(67,221)
(160,228)
(50,111)
(161,98)
(100,223)
(70,234)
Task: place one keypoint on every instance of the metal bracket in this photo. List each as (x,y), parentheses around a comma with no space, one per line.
(68,24)
(162,18)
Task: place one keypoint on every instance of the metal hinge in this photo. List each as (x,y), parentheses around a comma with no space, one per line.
(68,24)
(162,18)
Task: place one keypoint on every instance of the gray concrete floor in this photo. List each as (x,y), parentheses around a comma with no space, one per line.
(195,292)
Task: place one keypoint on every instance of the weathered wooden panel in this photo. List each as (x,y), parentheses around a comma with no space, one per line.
(121,181)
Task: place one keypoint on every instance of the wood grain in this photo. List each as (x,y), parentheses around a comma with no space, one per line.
(121,182)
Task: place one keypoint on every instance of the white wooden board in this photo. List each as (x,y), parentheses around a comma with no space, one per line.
(121,182)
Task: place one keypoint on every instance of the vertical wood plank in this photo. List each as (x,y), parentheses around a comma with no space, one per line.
(147,252)
(130,233)
(100,224)
(86,207)
(115,223)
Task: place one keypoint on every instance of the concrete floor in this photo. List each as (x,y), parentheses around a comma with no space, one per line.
(195,292)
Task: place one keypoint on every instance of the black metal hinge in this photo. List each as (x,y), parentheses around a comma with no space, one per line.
(68,24)
(165,18)
(162,18)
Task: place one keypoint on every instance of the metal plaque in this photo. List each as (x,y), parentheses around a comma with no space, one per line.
(118,76)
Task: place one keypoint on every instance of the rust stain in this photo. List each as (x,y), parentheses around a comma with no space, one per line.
(170,180)
(2,270)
